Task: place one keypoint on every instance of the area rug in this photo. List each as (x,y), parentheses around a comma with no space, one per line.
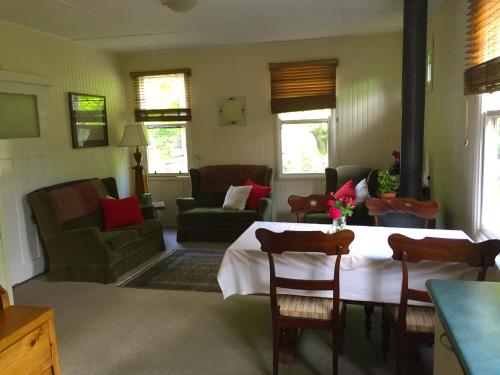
(181,270)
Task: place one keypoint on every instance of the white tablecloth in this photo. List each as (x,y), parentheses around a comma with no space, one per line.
(368,273)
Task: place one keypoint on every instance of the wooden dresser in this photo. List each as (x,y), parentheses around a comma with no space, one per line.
(27,339)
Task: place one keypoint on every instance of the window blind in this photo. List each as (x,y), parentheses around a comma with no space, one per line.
(162,96)
(483,47)
(302,86)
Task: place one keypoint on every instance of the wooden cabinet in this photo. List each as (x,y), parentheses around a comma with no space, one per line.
(27,340)
(445,359)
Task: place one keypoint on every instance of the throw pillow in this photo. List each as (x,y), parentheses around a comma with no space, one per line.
(236,197)
(121,212)
(346,190)
(256,194)
(362,191)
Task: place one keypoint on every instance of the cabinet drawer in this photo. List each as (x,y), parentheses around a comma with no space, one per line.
(30,355)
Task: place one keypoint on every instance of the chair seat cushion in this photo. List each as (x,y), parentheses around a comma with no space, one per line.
(306,307)
(418,318)
(119,238)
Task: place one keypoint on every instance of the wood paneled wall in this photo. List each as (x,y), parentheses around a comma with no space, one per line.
(368,97)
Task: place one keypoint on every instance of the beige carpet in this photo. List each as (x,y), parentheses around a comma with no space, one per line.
(106,330)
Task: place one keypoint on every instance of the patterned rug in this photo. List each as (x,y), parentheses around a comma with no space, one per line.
(181,270)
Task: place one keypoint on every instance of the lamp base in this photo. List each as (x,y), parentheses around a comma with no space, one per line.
(141,182)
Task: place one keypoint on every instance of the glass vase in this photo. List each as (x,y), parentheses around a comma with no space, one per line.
(338,224)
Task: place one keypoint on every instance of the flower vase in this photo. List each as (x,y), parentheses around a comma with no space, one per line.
(338,224)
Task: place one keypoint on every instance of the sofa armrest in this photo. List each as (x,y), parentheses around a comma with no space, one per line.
(266,209)
(79,246)
(148,212)
(184,204)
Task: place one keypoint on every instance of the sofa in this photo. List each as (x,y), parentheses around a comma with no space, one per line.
(71,230)
(335,178)
(202,218)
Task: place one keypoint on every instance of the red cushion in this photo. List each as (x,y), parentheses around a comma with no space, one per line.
(347,190)
(121,212)
(256,194)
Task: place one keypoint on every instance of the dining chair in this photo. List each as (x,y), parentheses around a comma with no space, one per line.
(293,311)
(416,323)
(401,212)
(314,203)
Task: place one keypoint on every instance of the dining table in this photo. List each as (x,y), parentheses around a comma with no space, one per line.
(368,274)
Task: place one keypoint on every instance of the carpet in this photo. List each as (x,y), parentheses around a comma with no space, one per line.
(194,270)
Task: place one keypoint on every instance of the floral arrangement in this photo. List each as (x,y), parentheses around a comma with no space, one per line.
(339,209)
(394,170)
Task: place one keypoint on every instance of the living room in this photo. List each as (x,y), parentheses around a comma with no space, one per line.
(54,47)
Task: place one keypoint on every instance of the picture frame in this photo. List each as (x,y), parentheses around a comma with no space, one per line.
(89,122)
(232,111)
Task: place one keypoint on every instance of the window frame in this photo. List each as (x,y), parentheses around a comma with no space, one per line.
(332,149)
(486,118)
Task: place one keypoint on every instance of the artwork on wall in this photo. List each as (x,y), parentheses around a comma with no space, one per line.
(232,111)
(89,124)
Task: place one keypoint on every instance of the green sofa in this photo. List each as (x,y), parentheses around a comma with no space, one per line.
(202,218)
(71,230)
(335,178)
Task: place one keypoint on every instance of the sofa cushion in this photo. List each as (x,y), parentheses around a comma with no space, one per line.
(119,238)
(215,215)
(256,194)
(236,197)
(91,220)
(144,228)
(345,191)
(121,212)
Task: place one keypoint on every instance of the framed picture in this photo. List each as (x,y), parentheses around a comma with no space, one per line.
(232,110)
(89,124)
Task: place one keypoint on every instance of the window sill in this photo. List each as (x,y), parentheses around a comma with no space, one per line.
(302,177)
(168,176)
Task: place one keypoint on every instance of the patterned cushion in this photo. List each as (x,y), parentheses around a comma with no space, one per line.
(306,307)
(418,318)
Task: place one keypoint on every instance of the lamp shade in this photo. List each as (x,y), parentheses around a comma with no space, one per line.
(134,135)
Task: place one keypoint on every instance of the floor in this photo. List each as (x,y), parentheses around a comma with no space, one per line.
(103,329)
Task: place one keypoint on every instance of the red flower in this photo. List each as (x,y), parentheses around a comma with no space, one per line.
(329,203)
(334,213)
(396,155)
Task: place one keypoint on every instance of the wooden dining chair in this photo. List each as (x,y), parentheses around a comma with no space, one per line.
(416,323)
(301,206)
(293,312)
(402,212)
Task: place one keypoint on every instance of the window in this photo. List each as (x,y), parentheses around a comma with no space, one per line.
(304,142)
(163,106)
(490,204)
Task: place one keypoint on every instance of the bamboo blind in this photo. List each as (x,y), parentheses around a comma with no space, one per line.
(483,47)
(302,86)
(181,112)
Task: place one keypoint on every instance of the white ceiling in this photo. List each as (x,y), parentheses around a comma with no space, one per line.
(139,25)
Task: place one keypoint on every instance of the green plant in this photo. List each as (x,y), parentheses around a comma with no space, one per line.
(387,182)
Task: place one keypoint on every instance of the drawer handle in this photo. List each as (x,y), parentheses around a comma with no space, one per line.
(447,345)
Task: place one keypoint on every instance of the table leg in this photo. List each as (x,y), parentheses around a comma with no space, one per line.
(288,345)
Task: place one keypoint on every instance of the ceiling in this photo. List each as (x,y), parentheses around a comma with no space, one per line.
(140,25)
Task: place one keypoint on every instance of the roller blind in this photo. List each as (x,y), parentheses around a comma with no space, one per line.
(302,86)
(483,47)
(162,96)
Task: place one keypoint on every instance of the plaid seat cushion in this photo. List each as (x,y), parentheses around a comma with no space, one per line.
(418,318)
(306,307)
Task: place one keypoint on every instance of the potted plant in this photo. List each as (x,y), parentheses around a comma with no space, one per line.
(387,185)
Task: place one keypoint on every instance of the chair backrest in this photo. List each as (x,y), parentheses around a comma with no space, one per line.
(336,177)
(409,250)
(209,184)
(401,212)
(312,203)
(336,244)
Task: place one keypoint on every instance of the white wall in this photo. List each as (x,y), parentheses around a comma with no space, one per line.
(69,67)
(452,165)
(368,93)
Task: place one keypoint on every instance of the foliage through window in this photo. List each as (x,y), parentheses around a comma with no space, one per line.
(304,141)
(164,109)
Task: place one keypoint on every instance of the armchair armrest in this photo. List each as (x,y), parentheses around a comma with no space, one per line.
(79,246)
(266,209)
(184,204)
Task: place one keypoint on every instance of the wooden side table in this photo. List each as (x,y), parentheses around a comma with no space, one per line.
(27,339)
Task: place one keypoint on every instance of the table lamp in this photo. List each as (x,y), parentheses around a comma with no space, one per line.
(134,135)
